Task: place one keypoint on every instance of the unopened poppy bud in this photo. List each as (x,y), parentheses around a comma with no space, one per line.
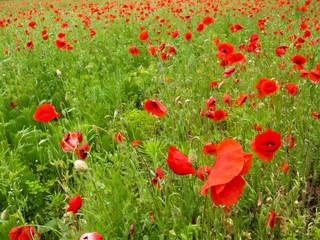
(80,166)
(131,229)
(123,122)
(4,215)
(192,156)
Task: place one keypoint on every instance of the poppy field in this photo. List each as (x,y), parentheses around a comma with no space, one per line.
(165,119)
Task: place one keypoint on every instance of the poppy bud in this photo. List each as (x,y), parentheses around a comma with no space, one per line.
(80,166)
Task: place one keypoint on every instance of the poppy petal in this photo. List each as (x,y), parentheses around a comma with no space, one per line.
(229,163)
(231,192)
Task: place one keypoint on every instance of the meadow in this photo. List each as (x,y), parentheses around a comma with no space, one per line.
(167,119)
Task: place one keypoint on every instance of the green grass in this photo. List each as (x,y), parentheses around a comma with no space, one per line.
(101,91)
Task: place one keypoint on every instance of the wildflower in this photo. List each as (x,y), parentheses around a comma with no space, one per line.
(155,108)
(292,88)
(158,175)
(143,36)
(266,144)
(91,236)
(134,51)
(210,149)
(208,20)
(75,204)
(179,162)
(229,71)
(272,219)
(285,167)
(188,36)
(118,137)
(45,113)
(23,233)
(225,180)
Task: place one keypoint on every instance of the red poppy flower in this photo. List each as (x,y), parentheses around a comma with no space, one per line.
(207,20)
(272,219)
(226,98)
(303,73)
(235,58)
(45,113)
(74,204)
(82,151)
(285,167)
(216,115)
(289,142)
(188,36)
(143,36)
(210,149)
(228,72)
(292,88)
(63,45)
(179,162)
(29,44)
(314,74)
(91,236)
(92,32)
(23,233)
(266,144)
(298,61)
(200,27)
(224,50)
(257,127)
(211,103)
(316,115)
(71,141)
(174,33)
(241,99)
(155,108)
(118,137)
(135,142)
(171,50)
(15,232)
(225,180)
(13,104)
(202,172)
(266,87)
(61,35)
(235,28)
(152,51)
(213,84)
(32,24)
(158,175)
(164,56)
(161,46)
(134,51)
(45,37)
(281,50)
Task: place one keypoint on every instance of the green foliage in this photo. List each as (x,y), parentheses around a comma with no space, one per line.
(99,89)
